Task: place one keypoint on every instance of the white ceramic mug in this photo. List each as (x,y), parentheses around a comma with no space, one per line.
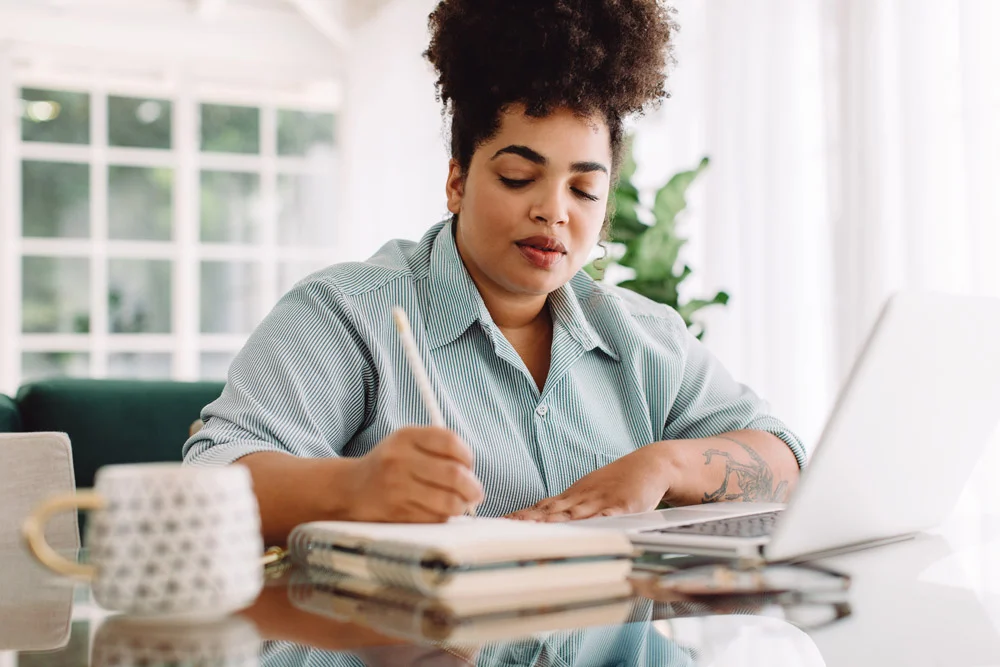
(164,539)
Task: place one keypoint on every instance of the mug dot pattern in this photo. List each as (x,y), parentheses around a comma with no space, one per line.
(178,545)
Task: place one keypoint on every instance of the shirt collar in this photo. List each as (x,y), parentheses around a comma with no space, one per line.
(566,311)
(454,303)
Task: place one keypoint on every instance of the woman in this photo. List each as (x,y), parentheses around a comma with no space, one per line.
(564,398)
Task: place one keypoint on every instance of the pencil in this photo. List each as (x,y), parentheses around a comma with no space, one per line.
(419,373)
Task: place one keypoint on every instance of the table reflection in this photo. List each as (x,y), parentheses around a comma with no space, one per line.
(921,602)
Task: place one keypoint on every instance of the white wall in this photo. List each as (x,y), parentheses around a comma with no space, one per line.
(748,90)
(391,132)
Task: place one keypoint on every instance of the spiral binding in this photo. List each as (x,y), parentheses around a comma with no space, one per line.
(388,562)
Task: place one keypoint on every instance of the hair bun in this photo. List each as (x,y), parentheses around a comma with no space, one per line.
(607,55)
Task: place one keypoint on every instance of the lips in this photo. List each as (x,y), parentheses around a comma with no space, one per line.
(543,243)
(544,252)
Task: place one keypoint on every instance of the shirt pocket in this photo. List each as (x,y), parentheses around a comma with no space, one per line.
(602,459)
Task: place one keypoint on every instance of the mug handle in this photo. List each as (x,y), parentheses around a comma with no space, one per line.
(33,530)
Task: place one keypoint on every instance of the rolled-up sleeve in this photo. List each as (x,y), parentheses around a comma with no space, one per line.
(709,401)
(300,385)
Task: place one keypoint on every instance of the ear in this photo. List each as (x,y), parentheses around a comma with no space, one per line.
(455,187)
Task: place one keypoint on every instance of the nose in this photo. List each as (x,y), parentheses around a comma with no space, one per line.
(551,207)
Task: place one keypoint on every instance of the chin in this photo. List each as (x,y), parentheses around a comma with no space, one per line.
(538,287)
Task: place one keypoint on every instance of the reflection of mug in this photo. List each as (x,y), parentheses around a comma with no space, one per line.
(129,642)
(164,539)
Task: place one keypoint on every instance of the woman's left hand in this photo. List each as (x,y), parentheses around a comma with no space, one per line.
(636,482)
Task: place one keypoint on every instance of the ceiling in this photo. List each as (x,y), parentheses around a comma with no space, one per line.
(286,44)
(329,17)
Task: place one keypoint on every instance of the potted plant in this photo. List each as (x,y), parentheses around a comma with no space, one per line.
(651,250)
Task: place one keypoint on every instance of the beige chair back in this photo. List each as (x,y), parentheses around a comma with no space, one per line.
(35,604)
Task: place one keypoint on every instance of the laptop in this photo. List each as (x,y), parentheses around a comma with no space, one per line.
(911,422)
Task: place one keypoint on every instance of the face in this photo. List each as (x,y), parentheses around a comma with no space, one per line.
(531,207)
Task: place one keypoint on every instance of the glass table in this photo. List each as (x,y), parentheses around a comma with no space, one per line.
(931,600)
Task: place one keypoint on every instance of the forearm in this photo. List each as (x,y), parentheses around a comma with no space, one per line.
(740,466)
(292,490)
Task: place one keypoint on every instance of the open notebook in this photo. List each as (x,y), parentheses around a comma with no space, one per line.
(465,557)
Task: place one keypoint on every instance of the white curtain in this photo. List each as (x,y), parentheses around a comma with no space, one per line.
(856,150)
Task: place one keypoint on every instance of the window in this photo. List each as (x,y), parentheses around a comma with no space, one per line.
(148,234)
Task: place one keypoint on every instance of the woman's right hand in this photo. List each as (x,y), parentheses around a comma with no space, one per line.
(416,474)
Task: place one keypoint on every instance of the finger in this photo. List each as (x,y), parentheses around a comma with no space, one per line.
(555,505)
(541,509)
(452,477)
(440,502)
(442,443)
(612,511)
(536,514)
(582,510)
(416,512)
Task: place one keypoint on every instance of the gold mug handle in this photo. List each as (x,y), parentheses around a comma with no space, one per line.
(33,530)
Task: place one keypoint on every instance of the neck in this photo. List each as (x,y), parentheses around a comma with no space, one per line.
(508,310)
(513,311)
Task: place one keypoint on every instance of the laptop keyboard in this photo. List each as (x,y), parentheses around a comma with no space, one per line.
(755,525)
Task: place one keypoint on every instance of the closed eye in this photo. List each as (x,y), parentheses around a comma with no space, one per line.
(515,183)
(518,183)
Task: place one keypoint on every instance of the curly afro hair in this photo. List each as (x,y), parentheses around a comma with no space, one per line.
(594,57)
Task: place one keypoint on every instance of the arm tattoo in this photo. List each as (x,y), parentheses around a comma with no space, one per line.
(756,479)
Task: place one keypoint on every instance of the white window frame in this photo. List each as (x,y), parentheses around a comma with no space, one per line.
(185,250)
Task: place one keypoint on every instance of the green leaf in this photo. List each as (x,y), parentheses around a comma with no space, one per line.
(694,305)
(628,259)
(626,226)
(671,199)
(625,223)
(626,191)
(656,253)
(661,291)
(628,167)
(594,272)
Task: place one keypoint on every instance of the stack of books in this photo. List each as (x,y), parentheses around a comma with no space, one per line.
(468,580)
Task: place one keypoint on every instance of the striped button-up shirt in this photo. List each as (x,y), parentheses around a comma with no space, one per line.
(325,375)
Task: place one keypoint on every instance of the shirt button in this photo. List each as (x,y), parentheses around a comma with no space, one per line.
(542,410)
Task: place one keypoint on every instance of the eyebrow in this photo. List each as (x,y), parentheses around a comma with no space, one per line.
(534,156)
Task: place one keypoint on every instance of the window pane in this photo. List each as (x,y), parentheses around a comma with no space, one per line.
(140,203)
(306,209)
(139,122)
(55,295)
(56,116)
(290,273)
(55,199)
(41,365)
(300,131)
(139,296)
(226,129)
(215,365)
(230,204)
(229,297)
(139,365)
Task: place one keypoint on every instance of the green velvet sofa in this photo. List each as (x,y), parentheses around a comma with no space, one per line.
(110,421)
